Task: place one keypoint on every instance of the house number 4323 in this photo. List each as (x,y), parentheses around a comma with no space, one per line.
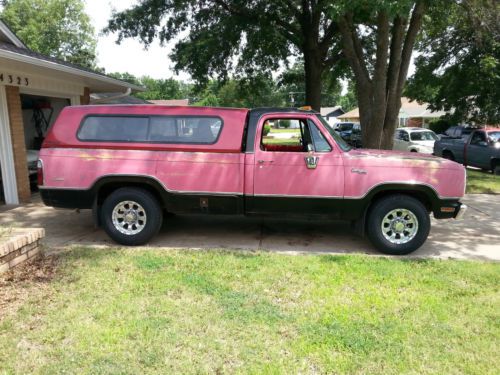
(11,79)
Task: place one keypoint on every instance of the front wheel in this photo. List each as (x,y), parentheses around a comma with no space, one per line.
(398,224)
(131,216)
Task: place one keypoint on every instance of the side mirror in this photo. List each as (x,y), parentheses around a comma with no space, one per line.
(482,143)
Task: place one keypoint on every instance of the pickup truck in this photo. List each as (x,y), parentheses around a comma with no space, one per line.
(132,164)
(481,149)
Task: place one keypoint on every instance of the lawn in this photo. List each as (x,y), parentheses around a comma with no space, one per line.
(151,311)
(482,182)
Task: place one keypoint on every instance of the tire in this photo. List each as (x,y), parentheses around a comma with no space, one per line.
(413,150)
(496,170)
(404,210)
(141,205)
(448,155)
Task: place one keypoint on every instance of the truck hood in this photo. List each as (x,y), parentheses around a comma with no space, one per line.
(393,158)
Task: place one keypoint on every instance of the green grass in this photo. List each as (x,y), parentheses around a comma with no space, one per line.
(482,182)
(274,130)
(151,311)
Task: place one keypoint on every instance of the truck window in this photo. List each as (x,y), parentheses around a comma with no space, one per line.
(285,135)
(319,140)
(477,138)
(185,130)
(153,129)
(114,128)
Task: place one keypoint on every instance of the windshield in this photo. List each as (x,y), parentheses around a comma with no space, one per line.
(345,127)
(424,136)
(342,144)
(494,136)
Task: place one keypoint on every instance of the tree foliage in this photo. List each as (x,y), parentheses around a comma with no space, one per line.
(57,28)
(238,37)
(458,68)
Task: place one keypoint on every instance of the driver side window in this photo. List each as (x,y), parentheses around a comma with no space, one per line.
(285,135)
(477,138)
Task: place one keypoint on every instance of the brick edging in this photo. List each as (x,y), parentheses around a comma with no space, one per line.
(23,244)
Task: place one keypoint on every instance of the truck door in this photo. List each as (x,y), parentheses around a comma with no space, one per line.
(477,152)
(297,169)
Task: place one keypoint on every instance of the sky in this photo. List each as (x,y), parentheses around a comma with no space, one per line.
(130,56)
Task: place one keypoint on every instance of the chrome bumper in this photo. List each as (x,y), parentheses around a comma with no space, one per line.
(461,212)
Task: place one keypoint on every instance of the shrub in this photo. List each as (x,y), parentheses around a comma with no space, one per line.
(439,126)
(267,129)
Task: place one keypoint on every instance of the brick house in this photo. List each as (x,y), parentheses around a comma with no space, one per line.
(33,90)
(411,114)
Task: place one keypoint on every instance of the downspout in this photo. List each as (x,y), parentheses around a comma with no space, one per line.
(119,96)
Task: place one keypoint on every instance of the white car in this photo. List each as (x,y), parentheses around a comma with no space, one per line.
(415,140)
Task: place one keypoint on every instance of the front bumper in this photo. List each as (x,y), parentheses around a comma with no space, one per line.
(461,212)
(450,210)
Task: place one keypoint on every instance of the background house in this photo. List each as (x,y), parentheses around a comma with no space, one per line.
(331,114)
(411,114)
(33,90)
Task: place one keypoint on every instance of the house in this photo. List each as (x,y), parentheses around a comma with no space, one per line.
(331,114)
(170,102)
(411,114)
(33,90)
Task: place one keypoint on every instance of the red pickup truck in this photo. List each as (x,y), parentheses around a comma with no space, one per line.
(132,164)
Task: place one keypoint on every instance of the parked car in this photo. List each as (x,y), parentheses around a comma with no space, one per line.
(481,149)
(351,133)
(415,140)
(131,164)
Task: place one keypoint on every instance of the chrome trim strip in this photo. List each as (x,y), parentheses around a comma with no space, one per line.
(296,196)
(414,183)
(148,177)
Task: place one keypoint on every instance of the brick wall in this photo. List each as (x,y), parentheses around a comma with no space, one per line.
(85,98)
(21,245)
(414,122)
(18,143)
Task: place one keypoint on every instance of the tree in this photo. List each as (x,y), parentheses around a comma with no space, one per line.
(243,36)
(57,28)
(458,68)
(378,40)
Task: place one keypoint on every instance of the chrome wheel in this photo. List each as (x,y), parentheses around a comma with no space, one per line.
(129,217)
(399,226)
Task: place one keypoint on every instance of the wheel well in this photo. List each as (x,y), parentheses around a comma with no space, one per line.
(106,188)
(447,152)
(419,195)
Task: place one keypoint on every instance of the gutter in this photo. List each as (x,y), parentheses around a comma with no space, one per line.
(114,97)
(66,69)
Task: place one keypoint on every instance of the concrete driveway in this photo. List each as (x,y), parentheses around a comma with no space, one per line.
(475,237)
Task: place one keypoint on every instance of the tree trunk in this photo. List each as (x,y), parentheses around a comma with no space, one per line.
(313,69)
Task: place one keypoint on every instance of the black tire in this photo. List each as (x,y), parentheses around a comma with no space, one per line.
(448,155)
(413,150)
(383,207)
(496,170)
(150,210)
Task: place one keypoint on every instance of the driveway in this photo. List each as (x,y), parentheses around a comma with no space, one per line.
(475,237)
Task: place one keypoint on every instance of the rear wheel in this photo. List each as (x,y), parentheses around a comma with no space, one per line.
(398,224)
(131,216)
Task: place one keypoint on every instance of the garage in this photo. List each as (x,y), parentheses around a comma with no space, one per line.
(33,90)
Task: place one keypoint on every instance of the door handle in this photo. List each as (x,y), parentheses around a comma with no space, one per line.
(311,162)
(264,161)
